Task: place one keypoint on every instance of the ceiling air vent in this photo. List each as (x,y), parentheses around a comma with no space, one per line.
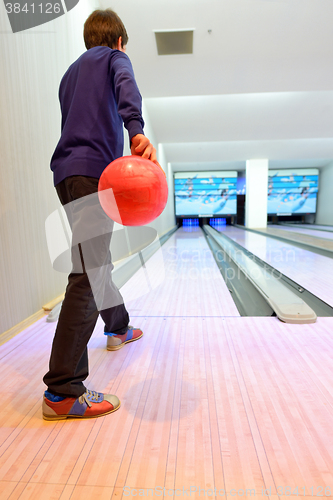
(174,42)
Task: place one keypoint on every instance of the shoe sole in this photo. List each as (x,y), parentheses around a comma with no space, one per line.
(64,417)
(117,347)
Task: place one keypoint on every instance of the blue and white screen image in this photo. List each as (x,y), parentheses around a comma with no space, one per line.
(205,193)
(292,191)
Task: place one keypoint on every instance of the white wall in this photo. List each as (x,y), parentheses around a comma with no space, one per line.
(167,219)
(325,205)
(256,193)
(32,63)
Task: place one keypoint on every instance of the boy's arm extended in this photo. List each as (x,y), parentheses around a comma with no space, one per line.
(129,102)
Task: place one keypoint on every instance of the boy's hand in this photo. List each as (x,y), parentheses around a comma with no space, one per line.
(141,146)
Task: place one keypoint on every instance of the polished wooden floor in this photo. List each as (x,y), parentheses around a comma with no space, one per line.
(213,404)
(310,270)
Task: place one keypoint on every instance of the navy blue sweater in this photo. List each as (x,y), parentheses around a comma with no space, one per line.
(97,94)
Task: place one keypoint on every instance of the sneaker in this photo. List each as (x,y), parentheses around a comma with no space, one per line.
(90,405)
(116,342)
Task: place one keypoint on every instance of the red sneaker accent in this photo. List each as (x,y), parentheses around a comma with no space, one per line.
(91,404)
(61,407)
(116,342)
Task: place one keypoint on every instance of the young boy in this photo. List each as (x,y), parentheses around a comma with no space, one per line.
(98,93)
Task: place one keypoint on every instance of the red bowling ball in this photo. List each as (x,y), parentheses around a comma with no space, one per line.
(139,191)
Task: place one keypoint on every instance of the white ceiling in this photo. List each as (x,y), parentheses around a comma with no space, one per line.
(259,85)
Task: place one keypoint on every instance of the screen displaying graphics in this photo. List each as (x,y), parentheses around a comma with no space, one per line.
(241,185)
(292,191)
(205,193)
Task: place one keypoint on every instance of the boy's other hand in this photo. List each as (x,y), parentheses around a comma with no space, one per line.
(141,146)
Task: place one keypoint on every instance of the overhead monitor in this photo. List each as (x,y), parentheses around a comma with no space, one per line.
(292,191)
(205,193)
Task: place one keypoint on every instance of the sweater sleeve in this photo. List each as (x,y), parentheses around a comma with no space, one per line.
(128,97)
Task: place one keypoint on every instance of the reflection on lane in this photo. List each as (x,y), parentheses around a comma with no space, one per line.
(312,226)
(311,232)
(312,271)
(192,284)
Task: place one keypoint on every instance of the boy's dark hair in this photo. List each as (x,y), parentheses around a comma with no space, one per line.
(104,27)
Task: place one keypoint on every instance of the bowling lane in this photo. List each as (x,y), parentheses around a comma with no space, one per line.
(181,279)
(312,271)
(304,230)
(312,226)
(325,244)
